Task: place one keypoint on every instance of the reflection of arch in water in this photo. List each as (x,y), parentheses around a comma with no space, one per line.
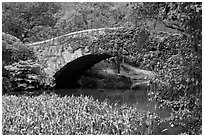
(68,76)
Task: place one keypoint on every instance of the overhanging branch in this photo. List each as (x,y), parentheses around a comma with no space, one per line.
(173,25)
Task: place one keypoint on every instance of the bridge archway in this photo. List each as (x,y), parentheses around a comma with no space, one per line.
(68,75)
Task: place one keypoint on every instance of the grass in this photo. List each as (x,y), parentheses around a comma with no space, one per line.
(50,114)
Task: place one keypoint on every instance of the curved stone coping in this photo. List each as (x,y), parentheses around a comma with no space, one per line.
(73,33)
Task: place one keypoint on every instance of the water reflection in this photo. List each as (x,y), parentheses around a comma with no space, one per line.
(138,97)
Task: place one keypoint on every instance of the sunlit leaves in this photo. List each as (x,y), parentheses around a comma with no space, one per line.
(26,75)
(51,114)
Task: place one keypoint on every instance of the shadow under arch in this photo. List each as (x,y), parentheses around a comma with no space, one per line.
(68,75)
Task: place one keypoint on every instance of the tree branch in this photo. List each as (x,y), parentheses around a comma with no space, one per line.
(173,25)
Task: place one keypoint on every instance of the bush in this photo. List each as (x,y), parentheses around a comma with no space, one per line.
(13,50)
(179,66)
(27,75)
(20,71)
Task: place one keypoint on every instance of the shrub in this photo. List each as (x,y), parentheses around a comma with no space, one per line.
(27,75)
(178,65)
(13,50)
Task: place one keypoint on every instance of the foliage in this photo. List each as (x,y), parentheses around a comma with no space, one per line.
(6,85)
(120,41)
(14,50)
(35,21)
(19,19)
(20,71)
(29,19)
(40,33)
(91,15)
(69,115)
(27,75)
(175,58)
(179,79)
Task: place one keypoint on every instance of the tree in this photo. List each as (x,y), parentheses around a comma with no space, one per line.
(177,59)
(82,16)
(20,18)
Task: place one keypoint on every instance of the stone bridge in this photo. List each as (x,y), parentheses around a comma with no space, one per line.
(55,53)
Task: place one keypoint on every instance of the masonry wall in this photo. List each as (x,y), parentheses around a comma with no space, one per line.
(54,53)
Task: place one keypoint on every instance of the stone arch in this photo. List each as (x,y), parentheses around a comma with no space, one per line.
(68,75)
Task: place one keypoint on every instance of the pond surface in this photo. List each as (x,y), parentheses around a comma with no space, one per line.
(139,98)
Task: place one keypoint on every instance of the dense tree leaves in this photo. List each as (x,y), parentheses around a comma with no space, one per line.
(81,16)
(14,50)
(177,58)
(20,18)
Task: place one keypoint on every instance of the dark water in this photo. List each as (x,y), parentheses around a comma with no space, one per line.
(139,98)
